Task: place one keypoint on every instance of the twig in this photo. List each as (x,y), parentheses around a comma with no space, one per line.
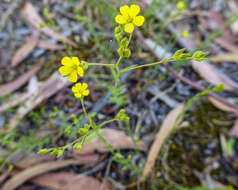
(183,79)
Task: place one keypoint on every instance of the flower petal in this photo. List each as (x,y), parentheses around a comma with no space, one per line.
(134,10)
(86,92)
(124,10)
(129,28)
(67,61)
(73,76)
(80,71)
(78,86)
(75,60)
(139,20)
(64,70)
(74,89)
(120,19)
(78,95)
(84,86)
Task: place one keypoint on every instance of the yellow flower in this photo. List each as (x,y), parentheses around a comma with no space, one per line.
(71,68)
(80,90)
(181,5)
(185,34)
(129,18)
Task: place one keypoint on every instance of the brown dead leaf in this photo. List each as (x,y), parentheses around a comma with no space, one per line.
(164,131)
(30,14)
(44,44)
(12,86)
(46,89)
(26,49)
(222,106)
(37,170)
(211,74)
(234,131)
(118,139)
(66,180)
(32,159)
(230,57)
(234,7)
(214,20)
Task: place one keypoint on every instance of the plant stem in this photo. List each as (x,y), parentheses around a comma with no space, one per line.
(101,64)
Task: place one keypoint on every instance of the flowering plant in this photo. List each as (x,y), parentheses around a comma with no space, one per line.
(127,19)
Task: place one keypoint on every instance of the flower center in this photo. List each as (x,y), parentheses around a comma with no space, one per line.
(74,67)
(130,19)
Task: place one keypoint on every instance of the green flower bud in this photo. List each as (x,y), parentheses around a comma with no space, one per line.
(124,43)
(118,29)
(60,153)
(84,65)
(127,53)
(121,116)
(77,146)
(43,151)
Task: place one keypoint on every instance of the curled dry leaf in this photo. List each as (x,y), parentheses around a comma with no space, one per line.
(222,106)
(37,170)
(234,131)
(26,49)
(211,74)
(12,86)
(30,14)
(164,131)
(66,180)
(118,139)
(46,89)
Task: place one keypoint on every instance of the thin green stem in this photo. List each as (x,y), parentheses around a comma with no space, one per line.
(106,122)
(83,106)
(117,65)
(101,64)
(145,65)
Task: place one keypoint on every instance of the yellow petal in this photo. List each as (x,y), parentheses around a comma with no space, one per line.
(139,20)
(64,70)
(75,60)
(124,10)
(66,61)
(74,89)
(120,19)
(78,86)
(73,76)
(78,95)
(134,10)
(86,92)
(129,28)
(84,86)
(80,71)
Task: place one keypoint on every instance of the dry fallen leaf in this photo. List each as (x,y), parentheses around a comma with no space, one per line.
(230,57)
(32,159)
(215,20)
(118,139)
(37,170)
(30,14)
(164,131)
(14,85)
(26,49)
(234,131)
(212,75)
(69,181)
(46,89)
(222,106)
(44,44)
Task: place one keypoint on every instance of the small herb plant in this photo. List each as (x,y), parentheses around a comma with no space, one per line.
(127,19)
